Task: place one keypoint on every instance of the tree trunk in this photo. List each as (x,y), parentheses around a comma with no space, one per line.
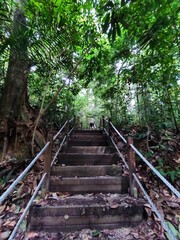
(14,104)
(138,106)
(172,111)
(14,101)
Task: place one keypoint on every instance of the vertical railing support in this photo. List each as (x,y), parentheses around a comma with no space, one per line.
(109,126)
(47,163)
(103,122)
(132,168)
(5,146)
(77,122)
(74,121)
(67,136)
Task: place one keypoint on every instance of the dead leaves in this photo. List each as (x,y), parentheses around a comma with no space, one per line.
(177,160)
(2,208)
(8,219)
(173,202)
(13,206)
(167,204)
(32,235)
(4,235)
(141,232)
(66,217)
(10,224)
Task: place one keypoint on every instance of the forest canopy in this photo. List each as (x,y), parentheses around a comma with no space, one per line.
(82,59)
(122,56)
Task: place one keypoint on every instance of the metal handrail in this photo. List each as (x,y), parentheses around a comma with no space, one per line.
(72,119)
(21,176)
(119,134)
(27,208)
(12,186)
(71,131)
(61,129)
(61,145)
(120,154)
(57,134)
(59,149)
(153,207)
(166,182)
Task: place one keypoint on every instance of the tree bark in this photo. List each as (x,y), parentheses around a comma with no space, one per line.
(14,100)
(172,111)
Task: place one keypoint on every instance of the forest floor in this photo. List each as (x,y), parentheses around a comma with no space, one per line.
(161,149)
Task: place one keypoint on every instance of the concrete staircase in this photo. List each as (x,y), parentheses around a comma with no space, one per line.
(88,189)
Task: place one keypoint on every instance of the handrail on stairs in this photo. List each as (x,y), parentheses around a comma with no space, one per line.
(108,127)
(47,150)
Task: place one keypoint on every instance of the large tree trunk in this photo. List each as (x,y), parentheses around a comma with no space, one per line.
(14,104)
(14,97)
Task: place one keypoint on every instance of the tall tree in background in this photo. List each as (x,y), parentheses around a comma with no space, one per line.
(13,102)
(65,44)
(52,36)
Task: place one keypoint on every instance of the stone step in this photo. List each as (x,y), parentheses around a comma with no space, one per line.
(90,149)
(91,141)
(89,137)
(86,138)
(72,218)
(90,132)
(88,142)
(105,184)
(87,159)
(86,171)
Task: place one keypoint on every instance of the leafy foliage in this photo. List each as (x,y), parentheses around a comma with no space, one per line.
(135,74)
(114,58)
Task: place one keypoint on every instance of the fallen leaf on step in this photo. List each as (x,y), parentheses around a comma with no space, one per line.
(9,223)
(2,208)
(12,208)
(1,222)
(169,217)
(96,233)
(32,235)
(166,193)
(54,196)
(177,160)
(4,235)
(66,217)
(114,205)
(126,173)
(135,235)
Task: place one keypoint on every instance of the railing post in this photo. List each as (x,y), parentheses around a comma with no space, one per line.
(109,126)
(132,168)
(103,122)
(78,123)
(66,132)
(4,148)
(74,121)
(47,163)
